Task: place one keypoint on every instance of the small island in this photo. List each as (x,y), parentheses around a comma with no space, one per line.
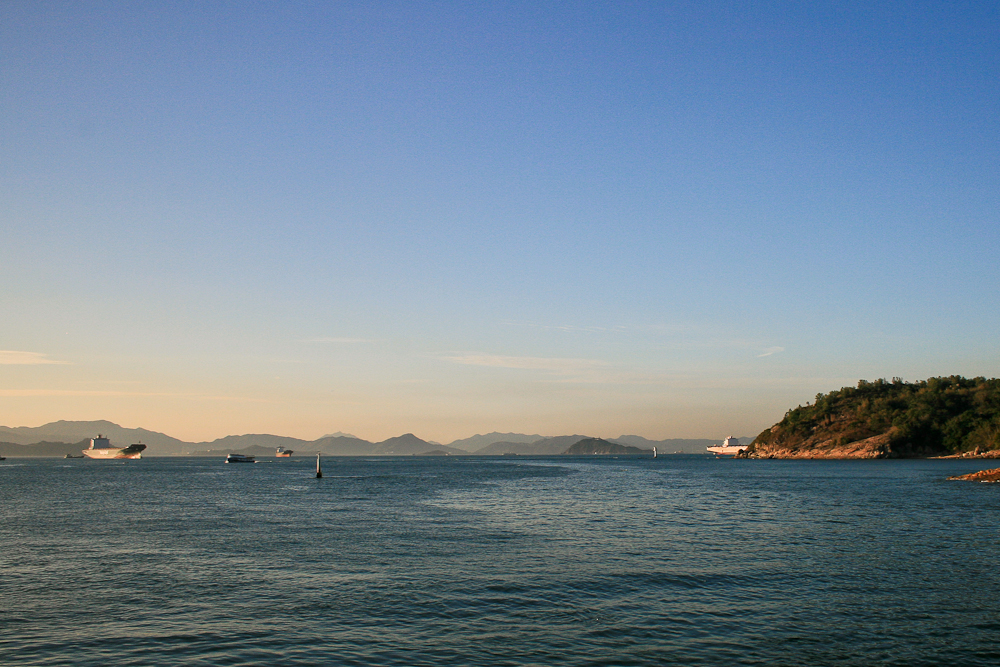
(589,446)
(939,417)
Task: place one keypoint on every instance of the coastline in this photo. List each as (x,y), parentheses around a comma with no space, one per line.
(986,476)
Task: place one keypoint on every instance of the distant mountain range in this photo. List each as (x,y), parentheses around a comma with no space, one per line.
(59,449)
(342,445)
(62,437)
(340,434)
(600,446)
(157,444)
(544,446)
(478,442)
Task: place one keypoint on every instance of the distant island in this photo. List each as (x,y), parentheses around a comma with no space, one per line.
(594,446)
(940,416)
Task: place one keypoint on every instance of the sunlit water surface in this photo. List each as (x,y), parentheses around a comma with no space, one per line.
(497,561)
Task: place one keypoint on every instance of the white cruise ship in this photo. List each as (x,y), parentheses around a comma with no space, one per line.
(730,447)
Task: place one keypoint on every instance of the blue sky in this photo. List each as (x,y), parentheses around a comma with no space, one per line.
(668,219)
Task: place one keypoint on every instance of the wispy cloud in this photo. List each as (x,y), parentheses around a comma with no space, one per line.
(769,351)
(566,372)
(20,358)
(30,393)
(551,364)
(338,340)
(638,329)
(567,327)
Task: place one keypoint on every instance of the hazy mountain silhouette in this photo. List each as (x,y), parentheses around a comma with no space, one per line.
(600,446)
(262,440)
(157,444)
(409,444)
(44,448)
(340,434)
(478,442)
(544,446)
(252,450)
(342,445)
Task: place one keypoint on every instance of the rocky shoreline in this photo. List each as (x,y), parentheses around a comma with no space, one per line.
(877,447)
(988,476)
(991,454)
(936,417)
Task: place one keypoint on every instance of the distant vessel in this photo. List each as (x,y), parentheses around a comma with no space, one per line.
(78,456)
(282,452)
(240,458)
(100,448)
(730,447)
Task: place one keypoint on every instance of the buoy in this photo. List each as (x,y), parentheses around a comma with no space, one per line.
(319,471)
(654,452)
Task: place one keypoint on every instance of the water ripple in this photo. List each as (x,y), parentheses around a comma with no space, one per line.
(477,561)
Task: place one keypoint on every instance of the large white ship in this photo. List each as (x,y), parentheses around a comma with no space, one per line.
(730,447)
(100,448)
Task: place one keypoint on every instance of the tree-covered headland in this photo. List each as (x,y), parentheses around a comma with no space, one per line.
(933,417)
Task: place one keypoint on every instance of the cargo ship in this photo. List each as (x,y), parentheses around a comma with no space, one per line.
(282,452)
(730,447)
(100,448)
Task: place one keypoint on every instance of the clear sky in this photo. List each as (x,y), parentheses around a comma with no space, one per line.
(669,219)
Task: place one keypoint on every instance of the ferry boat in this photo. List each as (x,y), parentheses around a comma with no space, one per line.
(730,447)
(240,458)
(282,452)
(100,448)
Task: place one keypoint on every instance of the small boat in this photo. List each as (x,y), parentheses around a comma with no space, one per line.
(240,458)
(70,456)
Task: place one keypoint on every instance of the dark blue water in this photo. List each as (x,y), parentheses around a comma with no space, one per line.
(497,561)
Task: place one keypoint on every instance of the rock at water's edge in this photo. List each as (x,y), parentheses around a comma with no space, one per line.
(981,476)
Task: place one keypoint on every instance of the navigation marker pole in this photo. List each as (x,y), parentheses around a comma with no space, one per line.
(319,471)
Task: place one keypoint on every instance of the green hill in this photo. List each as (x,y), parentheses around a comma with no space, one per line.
(589,446)
(882,419)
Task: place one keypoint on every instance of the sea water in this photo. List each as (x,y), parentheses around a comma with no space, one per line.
(497,561)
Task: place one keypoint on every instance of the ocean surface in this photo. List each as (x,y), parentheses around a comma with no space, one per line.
(498,561)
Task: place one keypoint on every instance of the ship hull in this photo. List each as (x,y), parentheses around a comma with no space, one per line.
(726,451)
(130,452)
